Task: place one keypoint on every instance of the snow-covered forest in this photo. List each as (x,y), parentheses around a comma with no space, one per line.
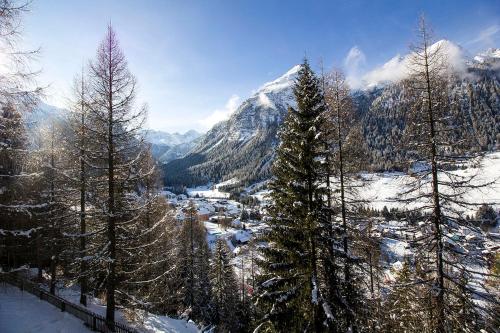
(324,223)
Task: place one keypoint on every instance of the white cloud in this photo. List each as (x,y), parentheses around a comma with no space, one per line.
(221,114)
(354,62)
(396,69)
(355,57)
(392,71)
(485,36)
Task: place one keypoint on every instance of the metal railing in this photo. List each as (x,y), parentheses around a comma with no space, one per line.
(94,321)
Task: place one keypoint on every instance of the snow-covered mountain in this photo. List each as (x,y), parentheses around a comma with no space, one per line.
(488,55)
(171,139)
(243,146)
(475,107)
(43,114)
(170,146)
(165,146)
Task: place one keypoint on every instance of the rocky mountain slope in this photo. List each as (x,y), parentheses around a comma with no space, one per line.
(243,146)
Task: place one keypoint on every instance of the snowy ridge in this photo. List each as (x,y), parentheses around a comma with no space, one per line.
(272,98)
(283,82)
(243,146)
(170,139)
(492,53)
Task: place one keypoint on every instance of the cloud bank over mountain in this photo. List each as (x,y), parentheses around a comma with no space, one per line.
(397,68)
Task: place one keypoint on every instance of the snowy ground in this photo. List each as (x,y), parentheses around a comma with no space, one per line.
(156,324)
(384,189)
(23,312)
(262,195)
(211,191)
(206,191)
(151,323)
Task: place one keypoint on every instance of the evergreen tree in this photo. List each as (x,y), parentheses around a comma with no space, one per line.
(19,228)
(79,151)
(49,155)
(224,289)
(193,257)
(290,294)
(203,292)
(344,159)
(402,307)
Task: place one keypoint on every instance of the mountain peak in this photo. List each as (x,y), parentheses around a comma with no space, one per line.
(443,43)
(283,82)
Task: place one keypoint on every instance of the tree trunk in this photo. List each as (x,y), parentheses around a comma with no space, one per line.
(347,274)
(436,202)
(83,227)
(111,281)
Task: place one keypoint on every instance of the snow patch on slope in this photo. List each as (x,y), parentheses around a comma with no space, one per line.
(384,189)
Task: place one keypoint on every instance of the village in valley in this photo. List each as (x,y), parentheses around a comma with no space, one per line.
(238,222)
(241,219)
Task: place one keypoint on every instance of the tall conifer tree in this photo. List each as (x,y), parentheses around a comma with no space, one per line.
(289,295)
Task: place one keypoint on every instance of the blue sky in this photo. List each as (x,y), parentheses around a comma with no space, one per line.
(195,60)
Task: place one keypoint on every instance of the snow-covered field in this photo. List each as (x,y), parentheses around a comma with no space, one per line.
(384,189)
(23,312)
(206,191)
(210,191)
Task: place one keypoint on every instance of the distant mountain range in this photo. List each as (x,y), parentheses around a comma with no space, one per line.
(169,146)
(243,146)
(165,146)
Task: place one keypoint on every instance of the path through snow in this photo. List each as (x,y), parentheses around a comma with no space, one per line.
(24,312)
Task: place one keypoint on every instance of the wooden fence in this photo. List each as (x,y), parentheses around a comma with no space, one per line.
(90,319)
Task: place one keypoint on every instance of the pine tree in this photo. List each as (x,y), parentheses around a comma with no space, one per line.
(151,266)
(16,183)
(203,292)
(193,268)
(79,149)
(49,155)
(402,307)
(224,289)
(289,295)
